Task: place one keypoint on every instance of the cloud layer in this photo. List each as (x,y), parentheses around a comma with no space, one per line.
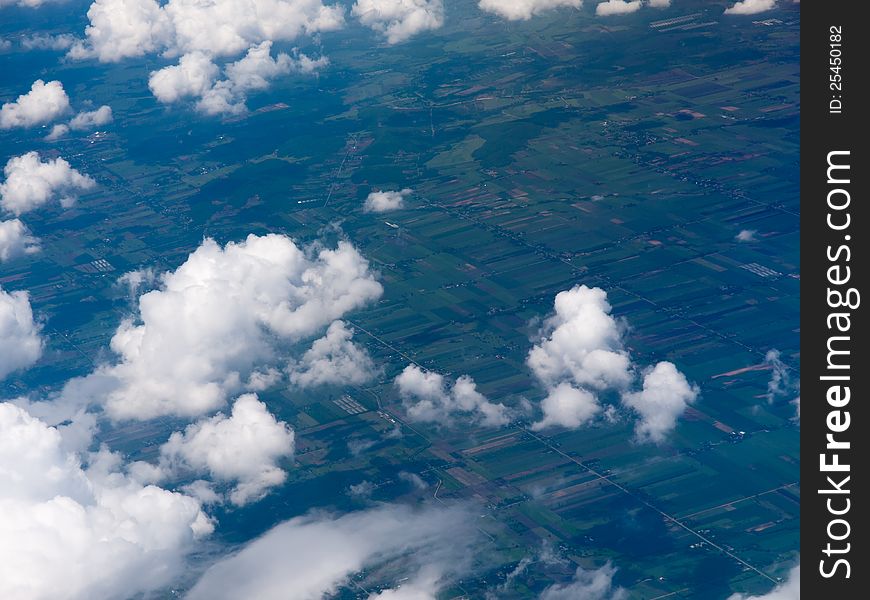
(315,555)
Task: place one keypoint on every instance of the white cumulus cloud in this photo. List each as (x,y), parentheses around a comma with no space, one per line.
(26,3)
(75,532)
(214,321)
(582,342)
(581,353)
(91,119)
(315,555)
(398,20)
(31,182)
(750,7)
(200,33)
(428,399)
(83,121)
(515,10)
(192,76)
(20,342)
(385,201)
(567,406)
(333,360)
(253,72)
(665,396)
(617,7)
(42,104)
(120,29)
(746,235)
(244,447)
(15,240)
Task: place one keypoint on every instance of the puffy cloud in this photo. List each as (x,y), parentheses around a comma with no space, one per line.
(43,103)
(201,32)
(746,235)
(596,584)
(659,3)
(515,10)
(617,7)
(120,29)
(83,121)
(665,395)
(567,406)
(750,7)
(92,119)
(385,201)
(581,342)
(125,28)
(581,353)
(315,555)
(15,240)
(20,342)
(790,589)
(253,72)
(202,334)
(69,532)
(31,182)
(243,447)
(399,20)
(427,399)
(192,76)
(43,41)
(333,360)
